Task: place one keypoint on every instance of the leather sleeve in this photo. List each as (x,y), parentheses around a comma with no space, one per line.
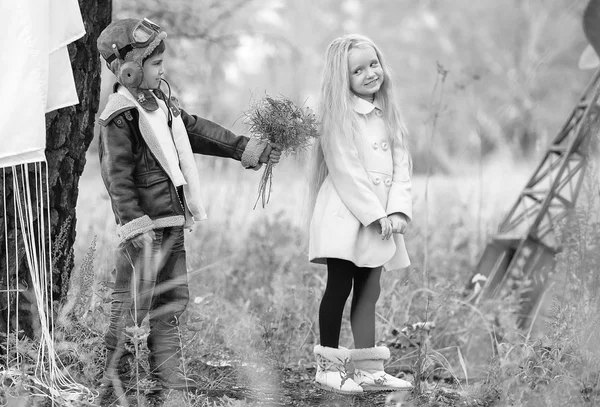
(117,165)
(209,138)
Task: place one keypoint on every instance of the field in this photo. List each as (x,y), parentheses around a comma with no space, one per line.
(252,320)
(251,323)
(484,88)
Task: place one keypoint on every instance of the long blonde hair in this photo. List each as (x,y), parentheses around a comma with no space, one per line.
(336,107)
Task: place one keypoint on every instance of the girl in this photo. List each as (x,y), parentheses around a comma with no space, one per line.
(360,196)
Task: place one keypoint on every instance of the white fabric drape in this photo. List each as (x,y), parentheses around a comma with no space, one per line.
(35,77)
(35,72)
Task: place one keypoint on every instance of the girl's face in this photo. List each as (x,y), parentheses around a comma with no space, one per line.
(366,73)
(153,71)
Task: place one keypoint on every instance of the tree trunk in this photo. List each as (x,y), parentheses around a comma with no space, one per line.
(69,132)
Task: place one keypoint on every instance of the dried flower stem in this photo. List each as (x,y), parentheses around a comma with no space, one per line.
(279,121)
(265,186)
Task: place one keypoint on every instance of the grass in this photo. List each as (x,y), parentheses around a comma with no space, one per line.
(251,323)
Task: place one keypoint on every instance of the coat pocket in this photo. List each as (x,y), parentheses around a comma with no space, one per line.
(329,202)
(338,207)
(150,178)
(155,193)
(343,211)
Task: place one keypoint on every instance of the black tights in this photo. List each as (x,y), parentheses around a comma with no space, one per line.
(340,276)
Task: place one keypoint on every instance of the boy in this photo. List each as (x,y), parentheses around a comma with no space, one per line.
(147,165)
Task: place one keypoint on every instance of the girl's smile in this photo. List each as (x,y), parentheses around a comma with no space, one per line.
(366,73)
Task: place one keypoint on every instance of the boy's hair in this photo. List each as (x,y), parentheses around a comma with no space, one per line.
(336,105)
(160,49)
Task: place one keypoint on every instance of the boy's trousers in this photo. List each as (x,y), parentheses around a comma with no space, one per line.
(150,282)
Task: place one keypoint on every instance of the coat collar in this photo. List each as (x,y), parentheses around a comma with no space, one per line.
(363,107)
(144,97)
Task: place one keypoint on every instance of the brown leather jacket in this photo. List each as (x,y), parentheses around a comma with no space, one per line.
(141,193)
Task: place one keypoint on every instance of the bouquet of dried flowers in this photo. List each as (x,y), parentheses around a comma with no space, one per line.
(280,122)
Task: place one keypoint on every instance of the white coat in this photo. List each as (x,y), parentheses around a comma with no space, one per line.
(369,178)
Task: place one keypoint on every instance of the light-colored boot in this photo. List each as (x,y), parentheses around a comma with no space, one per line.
(369,373)
(333,370)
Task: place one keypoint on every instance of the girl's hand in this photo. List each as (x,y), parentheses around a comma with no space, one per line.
(386,228)
(399,222)
(144,239)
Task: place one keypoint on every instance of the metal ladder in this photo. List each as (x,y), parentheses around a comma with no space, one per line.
(524,248)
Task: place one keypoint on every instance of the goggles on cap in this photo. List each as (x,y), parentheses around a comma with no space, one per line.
(143,33)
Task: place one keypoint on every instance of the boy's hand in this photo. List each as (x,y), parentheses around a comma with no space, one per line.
(399,222)
(144,239)
(270,153)
(386,228)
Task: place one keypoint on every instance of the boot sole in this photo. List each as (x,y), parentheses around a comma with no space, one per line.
(336,390)
(377,388)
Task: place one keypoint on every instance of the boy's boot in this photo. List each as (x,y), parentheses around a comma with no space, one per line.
(333,372)
(369,373)
(133,376)
(110,378)
(112,381)
(165,356)
(120,373)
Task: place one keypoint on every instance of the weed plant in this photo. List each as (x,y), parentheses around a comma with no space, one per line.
(254,306)
(561,366)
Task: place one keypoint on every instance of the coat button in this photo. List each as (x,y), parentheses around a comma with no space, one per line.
(375,145)
(378,113)
(376,180)
(387,182)
(384,146)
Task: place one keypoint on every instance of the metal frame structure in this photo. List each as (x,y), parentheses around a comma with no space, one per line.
(521,254)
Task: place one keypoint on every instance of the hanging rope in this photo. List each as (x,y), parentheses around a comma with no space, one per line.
(50,378)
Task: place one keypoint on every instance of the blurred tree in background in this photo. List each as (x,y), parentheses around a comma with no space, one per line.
(512,66)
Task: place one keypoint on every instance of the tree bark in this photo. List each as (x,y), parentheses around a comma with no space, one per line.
(69,132)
